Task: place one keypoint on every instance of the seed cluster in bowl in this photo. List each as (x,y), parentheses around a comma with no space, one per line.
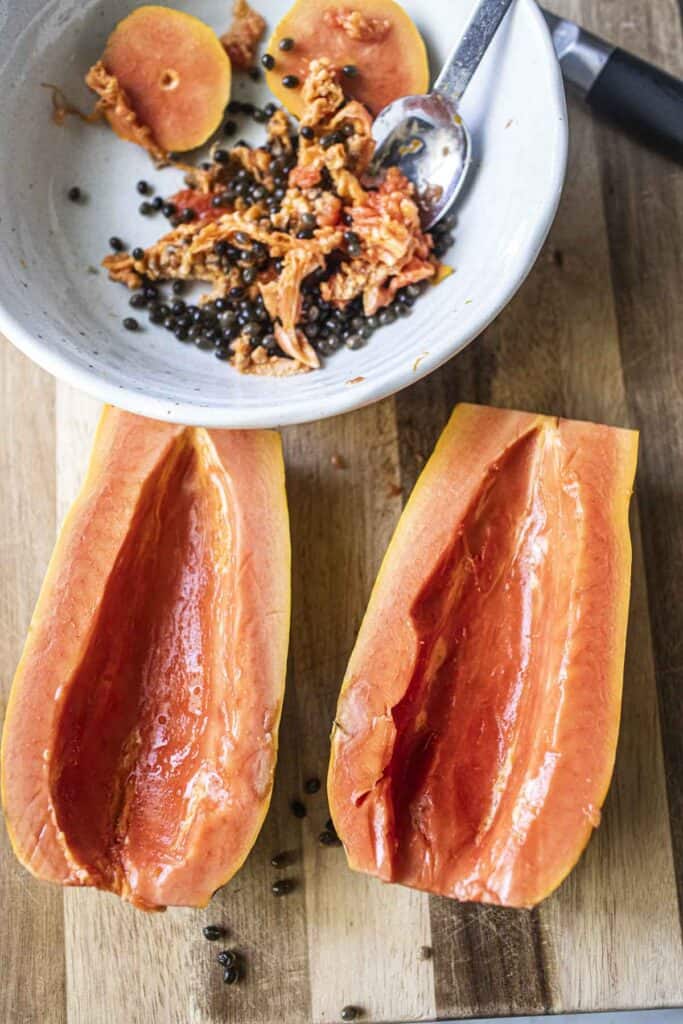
(301,254)
(302,248)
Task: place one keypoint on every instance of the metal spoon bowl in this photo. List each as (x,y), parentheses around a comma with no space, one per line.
(424,135)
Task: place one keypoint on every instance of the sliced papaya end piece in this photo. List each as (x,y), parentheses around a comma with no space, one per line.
(375,39)
(476,728)
(174,72)
(150,766)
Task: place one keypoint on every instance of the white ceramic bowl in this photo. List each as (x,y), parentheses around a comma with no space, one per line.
(64,314)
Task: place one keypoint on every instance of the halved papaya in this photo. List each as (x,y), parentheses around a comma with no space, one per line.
(174,72)
(141,734)
(475,734)
(375,39)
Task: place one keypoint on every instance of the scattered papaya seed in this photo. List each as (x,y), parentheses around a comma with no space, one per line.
(282,860)
(213,932)
(268,61)
(298,809)
(329,838)
(116,244)
(312,785)
(290,81)
(350,70)
(74,194)
(282,887)
(425,952)
(350,1013)
(254,73)
(353,242)
(286,44)
(231,975)
(227,958)
(333,139)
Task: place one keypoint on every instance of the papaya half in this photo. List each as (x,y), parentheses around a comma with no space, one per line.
(374,45)
(476,729)
(141,734)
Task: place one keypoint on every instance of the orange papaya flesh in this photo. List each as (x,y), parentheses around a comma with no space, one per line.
(141,734)
(376,37)
(476,728)
(175,74)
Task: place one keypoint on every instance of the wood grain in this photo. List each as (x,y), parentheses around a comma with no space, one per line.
(643,197)
(31,927)
(342,519)
(595,332)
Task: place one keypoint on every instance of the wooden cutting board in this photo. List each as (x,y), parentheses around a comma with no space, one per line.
(596,332)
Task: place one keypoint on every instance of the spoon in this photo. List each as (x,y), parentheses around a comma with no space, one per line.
(424,135)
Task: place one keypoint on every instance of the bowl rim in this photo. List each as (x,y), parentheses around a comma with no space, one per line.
(354,395)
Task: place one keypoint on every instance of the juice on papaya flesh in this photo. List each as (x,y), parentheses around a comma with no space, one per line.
(132,744)
(476,729)
(140,742)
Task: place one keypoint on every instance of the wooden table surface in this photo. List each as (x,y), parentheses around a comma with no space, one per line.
(596,332)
